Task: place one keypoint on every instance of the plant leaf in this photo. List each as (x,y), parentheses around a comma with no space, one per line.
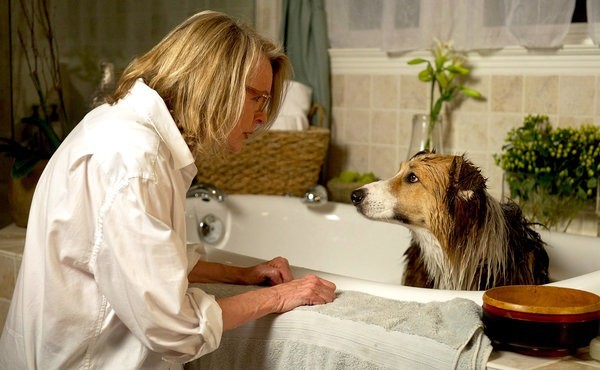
(425,75)
(470,92)
(442,79)
(458,70)
(417,61)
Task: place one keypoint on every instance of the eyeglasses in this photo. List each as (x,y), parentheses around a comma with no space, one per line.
(262,99)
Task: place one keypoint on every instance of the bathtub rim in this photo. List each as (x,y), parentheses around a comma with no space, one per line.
(392,291)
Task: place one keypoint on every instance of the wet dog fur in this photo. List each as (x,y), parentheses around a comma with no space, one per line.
(462,238)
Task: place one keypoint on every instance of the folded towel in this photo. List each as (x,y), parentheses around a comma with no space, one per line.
(293,115)
(356,331)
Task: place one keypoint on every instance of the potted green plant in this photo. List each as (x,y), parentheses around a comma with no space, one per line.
(40,138)
(551,172)
(445,74)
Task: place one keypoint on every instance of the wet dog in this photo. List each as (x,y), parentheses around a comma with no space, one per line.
(462,238)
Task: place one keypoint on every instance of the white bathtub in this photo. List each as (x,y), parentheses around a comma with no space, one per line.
(337,243)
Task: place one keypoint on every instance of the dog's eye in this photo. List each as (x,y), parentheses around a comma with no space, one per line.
(412,178)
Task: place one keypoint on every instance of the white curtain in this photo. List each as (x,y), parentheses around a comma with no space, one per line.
(403,25)
(593,19)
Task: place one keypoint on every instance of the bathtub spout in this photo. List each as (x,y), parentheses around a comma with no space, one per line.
(206,191)
(316,195)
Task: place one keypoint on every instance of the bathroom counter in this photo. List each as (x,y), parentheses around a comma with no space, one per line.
(12,240)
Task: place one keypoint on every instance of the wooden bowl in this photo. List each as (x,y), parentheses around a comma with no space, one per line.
(540,320)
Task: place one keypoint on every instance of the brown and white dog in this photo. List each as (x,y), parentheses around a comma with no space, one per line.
(462,238)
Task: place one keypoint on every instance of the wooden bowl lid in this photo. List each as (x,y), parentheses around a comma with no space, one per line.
(542,299)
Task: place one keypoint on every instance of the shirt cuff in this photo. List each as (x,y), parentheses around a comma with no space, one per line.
(210,319)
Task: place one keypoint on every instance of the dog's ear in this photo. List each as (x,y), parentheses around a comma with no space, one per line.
(465,178)
(466,192)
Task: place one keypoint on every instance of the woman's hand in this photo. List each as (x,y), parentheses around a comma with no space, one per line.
(309,290)
(273,272)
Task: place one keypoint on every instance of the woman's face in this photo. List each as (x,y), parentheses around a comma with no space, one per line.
(258,87)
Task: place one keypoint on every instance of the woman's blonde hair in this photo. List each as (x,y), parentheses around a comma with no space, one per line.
(200,70)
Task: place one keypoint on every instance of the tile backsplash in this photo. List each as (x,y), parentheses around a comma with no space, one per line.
(372,113)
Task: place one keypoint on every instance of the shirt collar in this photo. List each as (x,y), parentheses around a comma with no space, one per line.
(147,103)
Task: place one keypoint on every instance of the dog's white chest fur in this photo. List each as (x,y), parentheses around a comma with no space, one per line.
(434,258)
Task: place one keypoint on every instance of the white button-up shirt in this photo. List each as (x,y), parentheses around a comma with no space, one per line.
(103,280)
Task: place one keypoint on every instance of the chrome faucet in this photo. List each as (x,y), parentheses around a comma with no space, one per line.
(205,191)
(315,195)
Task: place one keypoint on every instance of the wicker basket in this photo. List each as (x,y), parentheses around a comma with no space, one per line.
(278,163)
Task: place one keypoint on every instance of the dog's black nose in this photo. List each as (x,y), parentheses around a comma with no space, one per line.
(357,196)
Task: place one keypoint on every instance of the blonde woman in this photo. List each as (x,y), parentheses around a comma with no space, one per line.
(104,278)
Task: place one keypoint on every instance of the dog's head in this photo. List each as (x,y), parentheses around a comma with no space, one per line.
(428,191)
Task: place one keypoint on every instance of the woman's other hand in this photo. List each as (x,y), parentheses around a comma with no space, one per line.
(273,272)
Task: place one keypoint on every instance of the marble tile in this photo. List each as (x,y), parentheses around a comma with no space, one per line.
(356,126)
(494,178)
(574,121)
(384,91)
(358,158)
(507,93)
(452,139)
(404,128)
(471,131)
(541,94)
(337,125)
(576,95)
(383,161)
(337,90)
(384,127)
(357,91)
(414,94)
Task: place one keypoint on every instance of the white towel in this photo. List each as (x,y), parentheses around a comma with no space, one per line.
(356,331)
(293,115)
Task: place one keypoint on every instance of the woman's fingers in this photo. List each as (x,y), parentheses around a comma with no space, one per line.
(309,290)
(283,267)
(273,272)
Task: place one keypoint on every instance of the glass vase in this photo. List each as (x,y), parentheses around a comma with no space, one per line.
(425,135)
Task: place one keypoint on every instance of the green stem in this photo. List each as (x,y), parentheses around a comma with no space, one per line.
(431,98)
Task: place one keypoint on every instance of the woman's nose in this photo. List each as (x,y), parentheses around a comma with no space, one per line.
(260,118)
